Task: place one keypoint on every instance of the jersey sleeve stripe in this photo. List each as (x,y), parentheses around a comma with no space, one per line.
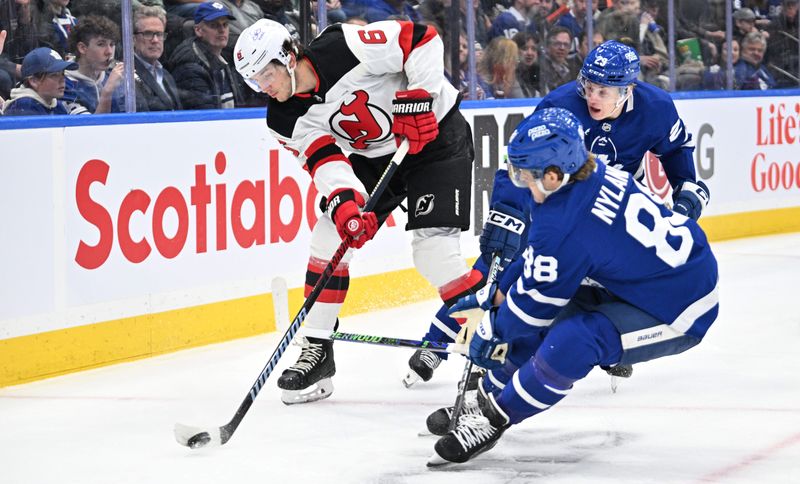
(319,143)
(696,310)
(327,159)
(539,297)
(412,36)
(524,317)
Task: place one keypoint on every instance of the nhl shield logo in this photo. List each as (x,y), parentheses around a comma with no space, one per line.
(424,205)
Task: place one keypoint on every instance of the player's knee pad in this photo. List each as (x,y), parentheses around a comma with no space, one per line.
(437,254)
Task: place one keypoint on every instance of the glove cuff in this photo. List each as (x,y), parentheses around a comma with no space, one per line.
(339,197)
(417,101)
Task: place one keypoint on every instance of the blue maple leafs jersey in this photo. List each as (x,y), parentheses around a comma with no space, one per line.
(649,122)
(609,229)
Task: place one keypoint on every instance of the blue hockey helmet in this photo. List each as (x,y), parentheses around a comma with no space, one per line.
(548,137)
(611,63)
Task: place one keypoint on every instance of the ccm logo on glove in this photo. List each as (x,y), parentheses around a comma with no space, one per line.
(345,210)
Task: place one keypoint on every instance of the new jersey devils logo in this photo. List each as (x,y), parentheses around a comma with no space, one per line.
(360,122)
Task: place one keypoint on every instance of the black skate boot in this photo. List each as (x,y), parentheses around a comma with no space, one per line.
(622,371)
(438,422)
(421,366)
(475,434)
(309,379)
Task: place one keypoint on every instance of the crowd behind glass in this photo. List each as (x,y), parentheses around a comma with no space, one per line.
(67,57)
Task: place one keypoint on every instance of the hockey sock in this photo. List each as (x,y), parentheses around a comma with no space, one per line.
(323,315)
(533,389)
(443,328)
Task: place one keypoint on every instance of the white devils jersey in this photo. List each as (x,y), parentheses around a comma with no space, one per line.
(359,69)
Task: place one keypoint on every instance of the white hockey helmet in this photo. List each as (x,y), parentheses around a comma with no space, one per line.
(257,46)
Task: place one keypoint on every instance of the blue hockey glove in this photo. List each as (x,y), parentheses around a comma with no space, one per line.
(502,233)
(486,349)
(691,199)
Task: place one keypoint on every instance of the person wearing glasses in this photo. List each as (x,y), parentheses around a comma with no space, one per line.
(556,66)
(42,85)
(204,78)
(155,87)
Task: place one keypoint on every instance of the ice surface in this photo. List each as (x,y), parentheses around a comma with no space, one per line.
(726,411)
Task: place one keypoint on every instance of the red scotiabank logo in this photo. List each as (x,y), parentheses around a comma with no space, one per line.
(213,210)
(777,125)
(657,180)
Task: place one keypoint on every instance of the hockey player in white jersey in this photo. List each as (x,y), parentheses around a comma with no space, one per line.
(657,292)
(360,89)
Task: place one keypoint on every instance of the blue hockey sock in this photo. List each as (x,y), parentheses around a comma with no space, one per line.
(443,328)
(533,389)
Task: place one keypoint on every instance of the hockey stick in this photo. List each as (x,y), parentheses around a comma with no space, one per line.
(436,346)
(462,385)
(195,438)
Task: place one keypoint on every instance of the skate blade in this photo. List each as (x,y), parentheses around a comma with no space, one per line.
(411,379)
(436,460)
(319,391)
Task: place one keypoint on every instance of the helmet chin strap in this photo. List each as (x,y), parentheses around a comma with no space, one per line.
(621,101)
(293,80)
(546,192)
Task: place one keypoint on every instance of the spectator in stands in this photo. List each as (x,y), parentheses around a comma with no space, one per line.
(378,10)
(583,44)
(528,66)
(42,86)
(782,44)
(155,87)
(245,13)
(182,8)
(516,19)
(53,23)
(626,19)
(556,67)
(715,77)
(437,11)
(744,21)
(204,78)
(575,20)
(498,66)
(750,71)
(463,55)
(277,10)
(96,86)
(16,19)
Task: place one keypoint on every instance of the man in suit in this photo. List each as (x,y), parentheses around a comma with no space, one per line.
(155,87)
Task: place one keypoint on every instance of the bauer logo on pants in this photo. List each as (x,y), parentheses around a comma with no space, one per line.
(424,205)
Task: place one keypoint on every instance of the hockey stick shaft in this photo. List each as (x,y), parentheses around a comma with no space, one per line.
(227,430)
(436,346)
(462,385)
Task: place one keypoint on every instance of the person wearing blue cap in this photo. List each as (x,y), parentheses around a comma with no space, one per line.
(204,78)
(42,85)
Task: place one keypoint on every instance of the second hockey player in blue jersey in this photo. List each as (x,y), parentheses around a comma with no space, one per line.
(623,119)
(610,275)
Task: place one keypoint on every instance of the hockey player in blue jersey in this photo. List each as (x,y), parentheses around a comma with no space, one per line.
(623,119)
(652,284)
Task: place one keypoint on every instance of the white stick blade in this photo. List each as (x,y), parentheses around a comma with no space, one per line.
(195,438)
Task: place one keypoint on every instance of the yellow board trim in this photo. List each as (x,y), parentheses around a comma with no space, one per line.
(43,355)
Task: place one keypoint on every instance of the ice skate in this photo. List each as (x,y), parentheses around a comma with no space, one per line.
(474,435)
(617,372)
(309,379)
(438,422)
(421,366)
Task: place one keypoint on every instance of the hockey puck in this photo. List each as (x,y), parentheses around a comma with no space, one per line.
(199,440)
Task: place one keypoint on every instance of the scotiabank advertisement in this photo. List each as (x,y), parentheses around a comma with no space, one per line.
(106,222)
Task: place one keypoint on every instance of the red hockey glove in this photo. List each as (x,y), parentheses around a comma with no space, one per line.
(344,206)
(414,119)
